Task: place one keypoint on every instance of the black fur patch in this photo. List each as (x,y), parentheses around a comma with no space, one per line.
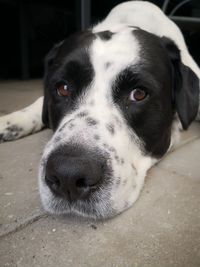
(152,118)
(82,114)
(122,161)
(96,137)
(111,128)
(117,158)
(133,167)
(71,126)
(91,122)
(107,65)
(68,62)
(14,128)
(11,132)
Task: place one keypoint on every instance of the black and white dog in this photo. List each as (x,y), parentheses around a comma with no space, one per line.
(115,96)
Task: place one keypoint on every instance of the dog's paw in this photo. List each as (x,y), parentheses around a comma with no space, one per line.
(15,125)
(22,122)
(8,130)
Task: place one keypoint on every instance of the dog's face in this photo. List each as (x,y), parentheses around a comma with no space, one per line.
(111,99)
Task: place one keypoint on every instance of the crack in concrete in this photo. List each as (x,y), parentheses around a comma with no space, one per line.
(180,145)
(24,223)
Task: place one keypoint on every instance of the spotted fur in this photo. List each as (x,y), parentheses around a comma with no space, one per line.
(102,66)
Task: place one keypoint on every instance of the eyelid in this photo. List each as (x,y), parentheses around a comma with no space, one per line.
(61,82)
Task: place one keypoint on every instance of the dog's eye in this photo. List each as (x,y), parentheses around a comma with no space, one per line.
(137,95)
(62,89)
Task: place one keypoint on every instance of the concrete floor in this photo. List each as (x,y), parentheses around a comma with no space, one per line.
(161,229)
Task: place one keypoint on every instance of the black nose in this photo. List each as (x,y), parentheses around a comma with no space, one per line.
(73,176)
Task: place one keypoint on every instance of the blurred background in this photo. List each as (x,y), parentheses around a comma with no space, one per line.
(29,28)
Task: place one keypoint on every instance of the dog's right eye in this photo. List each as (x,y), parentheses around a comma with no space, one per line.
(62,89)
(137,95)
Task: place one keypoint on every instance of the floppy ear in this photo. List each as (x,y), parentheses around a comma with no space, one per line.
(49,63)
(185,86)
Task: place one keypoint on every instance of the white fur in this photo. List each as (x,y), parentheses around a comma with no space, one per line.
(127,178)
(148,17)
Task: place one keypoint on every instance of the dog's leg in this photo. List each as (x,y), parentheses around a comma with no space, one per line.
(21,123)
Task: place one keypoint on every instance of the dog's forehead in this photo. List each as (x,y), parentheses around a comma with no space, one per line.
(114,51)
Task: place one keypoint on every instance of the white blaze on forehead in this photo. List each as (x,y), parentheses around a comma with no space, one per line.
(120,51)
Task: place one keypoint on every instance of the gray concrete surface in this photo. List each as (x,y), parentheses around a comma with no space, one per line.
(161,229)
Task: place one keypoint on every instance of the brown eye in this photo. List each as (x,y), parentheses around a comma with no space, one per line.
(137,95)
(62,90)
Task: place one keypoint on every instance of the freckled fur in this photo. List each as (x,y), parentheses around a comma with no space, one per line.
(82,114)
(96,137)
(127,160)
(91,122)
(110,127)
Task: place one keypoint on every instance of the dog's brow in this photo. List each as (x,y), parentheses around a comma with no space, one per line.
(134,76)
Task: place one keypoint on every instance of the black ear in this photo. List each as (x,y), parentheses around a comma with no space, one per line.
(185,86)
(49,63)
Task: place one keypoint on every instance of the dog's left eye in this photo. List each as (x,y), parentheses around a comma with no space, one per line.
(137,95)
(62,89)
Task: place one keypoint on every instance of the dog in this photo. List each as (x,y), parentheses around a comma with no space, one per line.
(116,96)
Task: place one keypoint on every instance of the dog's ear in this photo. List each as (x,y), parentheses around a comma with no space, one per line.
(49,63)
(185,85)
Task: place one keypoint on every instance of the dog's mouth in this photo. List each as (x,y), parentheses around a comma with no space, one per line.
(94,202)
(94,207)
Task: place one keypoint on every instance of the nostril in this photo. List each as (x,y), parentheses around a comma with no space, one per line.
(103,167)
(81,183)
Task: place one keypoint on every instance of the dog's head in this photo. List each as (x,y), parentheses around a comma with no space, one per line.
(112,99)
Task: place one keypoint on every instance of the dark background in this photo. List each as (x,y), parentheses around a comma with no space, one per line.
(46,22)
